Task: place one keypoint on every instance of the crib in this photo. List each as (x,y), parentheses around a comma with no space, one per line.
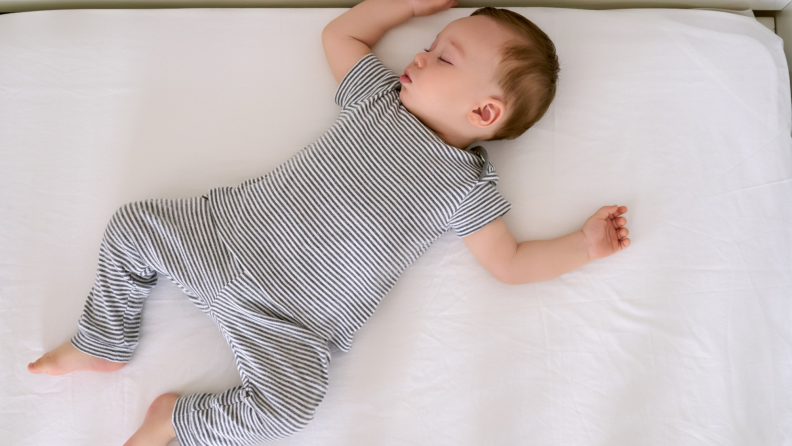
(680,111)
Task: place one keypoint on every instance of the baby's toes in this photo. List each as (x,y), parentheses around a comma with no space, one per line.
(41,365)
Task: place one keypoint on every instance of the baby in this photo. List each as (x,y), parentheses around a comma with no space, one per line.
(288,262)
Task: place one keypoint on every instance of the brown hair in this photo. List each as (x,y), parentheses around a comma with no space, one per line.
(527,73)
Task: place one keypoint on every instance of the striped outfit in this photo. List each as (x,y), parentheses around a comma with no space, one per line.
(292,260)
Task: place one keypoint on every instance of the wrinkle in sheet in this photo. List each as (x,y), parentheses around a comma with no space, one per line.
(774,183)
(783,132)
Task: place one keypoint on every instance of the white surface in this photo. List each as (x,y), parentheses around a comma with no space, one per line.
(683,339)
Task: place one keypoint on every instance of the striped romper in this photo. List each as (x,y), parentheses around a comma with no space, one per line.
(292,260)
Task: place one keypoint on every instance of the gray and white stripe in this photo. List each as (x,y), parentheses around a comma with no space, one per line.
(283,367)
(328,233)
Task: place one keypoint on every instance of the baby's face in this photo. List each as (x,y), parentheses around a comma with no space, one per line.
(456,73)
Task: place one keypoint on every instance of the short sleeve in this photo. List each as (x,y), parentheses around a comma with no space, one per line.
(481,206)
(366,78)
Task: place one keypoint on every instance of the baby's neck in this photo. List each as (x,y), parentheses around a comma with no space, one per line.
(449,136)
(458,141)
(459,144)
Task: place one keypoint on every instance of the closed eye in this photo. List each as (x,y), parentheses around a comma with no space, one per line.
(449,63)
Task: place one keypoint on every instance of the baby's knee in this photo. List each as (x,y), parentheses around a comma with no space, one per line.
(129,226)
(123,214)
(133,209)
(133,217)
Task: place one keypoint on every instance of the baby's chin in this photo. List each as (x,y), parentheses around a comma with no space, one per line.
(411,107)
(415,112)
(404,101)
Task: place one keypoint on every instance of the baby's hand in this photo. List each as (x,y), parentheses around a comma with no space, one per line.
(605,232)
(429,7)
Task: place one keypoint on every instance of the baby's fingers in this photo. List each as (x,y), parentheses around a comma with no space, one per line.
(623,243)
(605,212)
(615,210)
(623,232)
(428,7)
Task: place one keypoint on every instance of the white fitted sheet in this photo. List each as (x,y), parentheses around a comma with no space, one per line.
(682,339)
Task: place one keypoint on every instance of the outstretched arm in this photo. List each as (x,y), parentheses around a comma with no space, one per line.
(352,34)
(496,249)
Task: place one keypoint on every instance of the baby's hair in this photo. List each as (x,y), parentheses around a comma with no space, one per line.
(527,73)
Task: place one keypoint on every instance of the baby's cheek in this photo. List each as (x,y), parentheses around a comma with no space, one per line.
(455,94)
(443,97)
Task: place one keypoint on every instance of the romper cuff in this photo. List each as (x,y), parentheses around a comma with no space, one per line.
(91,346)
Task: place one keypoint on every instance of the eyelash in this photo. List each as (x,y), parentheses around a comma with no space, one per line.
(449,63)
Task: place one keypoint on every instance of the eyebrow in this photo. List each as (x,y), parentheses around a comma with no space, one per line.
(458,47)
(455,45)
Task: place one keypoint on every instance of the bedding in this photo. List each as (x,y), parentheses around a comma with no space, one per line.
(683,338)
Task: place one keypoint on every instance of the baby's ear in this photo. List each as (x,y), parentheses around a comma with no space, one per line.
(488,114)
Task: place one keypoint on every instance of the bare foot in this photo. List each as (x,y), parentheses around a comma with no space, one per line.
(157,428)
(67,359)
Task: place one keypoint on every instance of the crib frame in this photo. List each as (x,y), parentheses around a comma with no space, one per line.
(779,10)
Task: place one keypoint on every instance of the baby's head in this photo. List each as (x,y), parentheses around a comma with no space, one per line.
(486,77)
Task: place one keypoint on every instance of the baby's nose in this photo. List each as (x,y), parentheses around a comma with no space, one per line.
(420,59)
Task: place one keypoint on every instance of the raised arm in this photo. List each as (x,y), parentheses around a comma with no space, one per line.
(352,34)
(536,260)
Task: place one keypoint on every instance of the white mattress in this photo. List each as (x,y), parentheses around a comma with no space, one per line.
(682,339)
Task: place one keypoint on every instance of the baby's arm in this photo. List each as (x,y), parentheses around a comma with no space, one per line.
(534,261)
(352,34)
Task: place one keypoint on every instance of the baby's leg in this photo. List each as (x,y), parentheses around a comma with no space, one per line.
(172,237)
(284,371)
(123,279)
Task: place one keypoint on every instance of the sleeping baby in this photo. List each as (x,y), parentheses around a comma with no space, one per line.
(289,262)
